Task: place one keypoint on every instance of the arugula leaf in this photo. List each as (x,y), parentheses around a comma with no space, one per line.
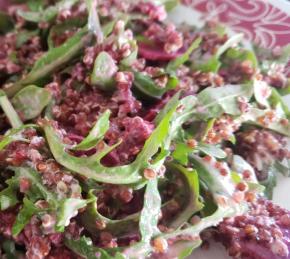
(6,22)
(239,54)
(147,86)
(10,251)
(239,165)
(14,135)
(68,208)
(84,248)
(211,176)
(97,132)
(24,36)
(103,72)
(51,61)
(213,63)
(218,100)
(192,190)
(9,111)
(31,100)
(283,167)
(116,227)
(286,90)
(37,190)
(175,63)
(8,196)
(211,150)
(180,153)
(270,183)
(253,116)
(48,14)
(260,88)
(24,216)
(93,20)
(276,99)
(92,168)
(148,222)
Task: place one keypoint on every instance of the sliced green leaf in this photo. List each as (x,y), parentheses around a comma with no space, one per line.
(175,63)
(115,227)
(212,150)
(254,115)
(51,60)
(147,86)
(6,22)
(15,135)
(30,101)
(68,208)
(180,153)
(97,132)
(148,222)
(24,216)
(9,111)
(93,20)
(215,101)
(192,190)
(48,14)
(104,70)
(261,90)
(92,168)
(8,196)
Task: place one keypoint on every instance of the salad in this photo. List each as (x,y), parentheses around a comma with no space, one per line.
(124,135)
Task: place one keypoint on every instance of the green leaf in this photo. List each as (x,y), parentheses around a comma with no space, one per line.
(253,115)
(210,175)
(192,194)
(283,167)
(213,63)
(260,92)
(37,190)
(97,132)
(148,222)
(180,154)
(193,231)
(103,72)
(68,208)
(93,20)
(269,183)
(24,216)
(239,165)
(212,150)
(215,101)
(23,36)
(84,247)
(169,4)
(276,99)
(9,111)
(128,61)
(15,135)
(239,54)
(10,251)
(175,63)
(90,167)
(8,196)
(147,86)
(49,13)
(115,227)
(51,61)
(285,91)
(30,101)
(6,22)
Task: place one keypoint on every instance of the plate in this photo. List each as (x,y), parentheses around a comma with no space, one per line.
(267,23)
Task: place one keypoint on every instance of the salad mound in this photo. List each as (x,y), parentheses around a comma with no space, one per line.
(124,135)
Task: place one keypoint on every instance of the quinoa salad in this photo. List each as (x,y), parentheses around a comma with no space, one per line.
(125,136)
